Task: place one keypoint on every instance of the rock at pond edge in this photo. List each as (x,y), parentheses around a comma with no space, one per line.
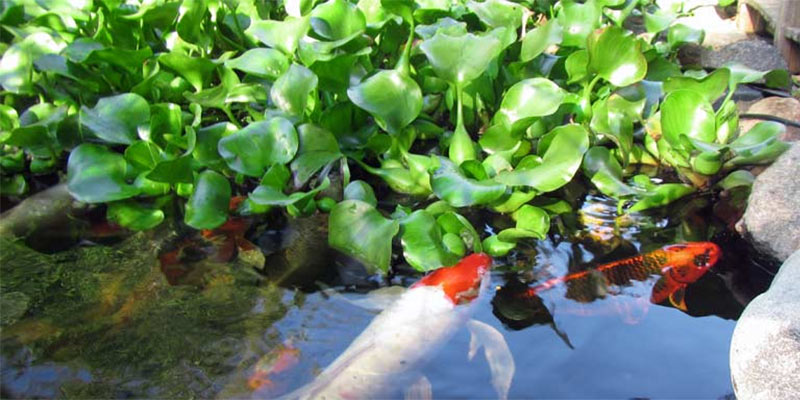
(765,347)
(772,218)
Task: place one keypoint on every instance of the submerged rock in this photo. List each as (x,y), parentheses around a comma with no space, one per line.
(765,348)
(772,219)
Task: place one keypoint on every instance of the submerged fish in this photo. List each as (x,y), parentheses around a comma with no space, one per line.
(276,361)
(394,345)
(679,265)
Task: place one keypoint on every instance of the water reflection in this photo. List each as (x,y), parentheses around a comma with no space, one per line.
(207,325)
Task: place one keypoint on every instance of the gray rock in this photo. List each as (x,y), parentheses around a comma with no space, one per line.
(757,54)
(765,348)
(784,107)
(772,219)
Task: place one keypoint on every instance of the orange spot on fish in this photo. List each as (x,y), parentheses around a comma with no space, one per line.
(280,359)
(460,282)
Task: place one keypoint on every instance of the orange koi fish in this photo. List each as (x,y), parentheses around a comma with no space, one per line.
(679,265)
(276,361)
(404,335)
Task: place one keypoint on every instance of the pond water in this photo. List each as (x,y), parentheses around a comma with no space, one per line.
(102,321)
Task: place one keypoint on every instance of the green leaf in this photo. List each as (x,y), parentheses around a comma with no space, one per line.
(662,195)
(460,59)
(616,56)
(144,155)
(451,185)
(337,19)
(358,230)
(680,34)
(255,147)
(711,86)
(498,13)
(135,216)
(267,195)
(119,119)
(207,208)
(360,190)
(658,21)
(13,185)
(208,137)
(282,35)
(559,163)
(527,99)
(423,247)
(392,98)
(539,39)
(496,247)
(604,171)
(317,147)
(532,219)
(455,224)
(290,92)
(97,175)
(197,71)
(178,170)
(578,21)
(190,24)
(685,112)
(738,178)
(264,63)
(577,66)
(16,66)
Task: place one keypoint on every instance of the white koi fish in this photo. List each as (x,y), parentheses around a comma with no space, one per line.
(398,341)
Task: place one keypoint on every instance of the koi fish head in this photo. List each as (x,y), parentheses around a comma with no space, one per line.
(461,283)
(689,261)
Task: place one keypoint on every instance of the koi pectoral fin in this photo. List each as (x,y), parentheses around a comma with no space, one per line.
(678,298)
(420,390)
(498,355)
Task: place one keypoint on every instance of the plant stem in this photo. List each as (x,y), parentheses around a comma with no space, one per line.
(404,63)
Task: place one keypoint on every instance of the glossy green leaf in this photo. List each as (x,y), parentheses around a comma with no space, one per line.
(392,98)
(539,39)
(266,195)
(711,86)
(528,99)
(616,55)
(119,119)
(264,63)
(680,34)
(578,21)
(144,155)
(707,163)
(317,147)
(661,195)
(133,215)
(190,24)
(97,175)
(421,238)
(685,112)
(255,147)
(357,229)
(497,13)
(208,137)
(451,185)
(577,66)
(178,170)
(604,171)
(460,59)
(559,163)
(16,66)
(496,247)
(290,92)
(532,219)
(207,208)
(739,178)
(658,21)
(337,19)
(455,224)
(197,71)
(282,35)
(360,190)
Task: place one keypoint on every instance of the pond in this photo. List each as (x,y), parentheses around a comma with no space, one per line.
(98,321)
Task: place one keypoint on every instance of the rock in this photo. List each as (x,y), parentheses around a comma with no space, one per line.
(765,347)
(784,107)
(757,54)
(772,218)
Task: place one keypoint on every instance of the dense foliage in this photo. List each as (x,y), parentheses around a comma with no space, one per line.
(160,105)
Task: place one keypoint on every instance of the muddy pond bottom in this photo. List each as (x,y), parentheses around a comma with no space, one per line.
(103,322)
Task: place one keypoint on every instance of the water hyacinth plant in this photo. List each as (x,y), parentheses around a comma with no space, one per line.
(158,108)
